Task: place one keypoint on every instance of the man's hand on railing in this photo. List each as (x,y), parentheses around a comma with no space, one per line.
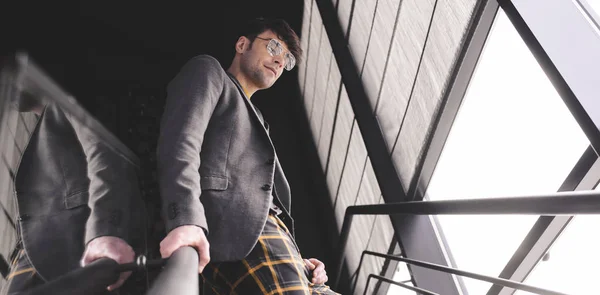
(319,275)
(109,247)
(187,235)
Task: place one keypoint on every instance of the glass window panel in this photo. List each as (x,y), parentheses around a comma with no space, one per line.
(595,6)
(572,262)
(401,277)
(513,136)
(402,273)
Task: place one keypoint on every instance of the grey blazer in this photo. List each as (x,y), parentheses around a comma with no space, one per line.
(60,209)
(217,166)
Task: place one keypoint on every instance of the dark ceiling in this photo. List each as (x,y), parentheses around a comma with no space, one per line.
(82,42)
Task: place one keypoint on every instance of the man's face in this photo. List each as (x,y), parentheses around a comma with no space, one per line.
(259,66)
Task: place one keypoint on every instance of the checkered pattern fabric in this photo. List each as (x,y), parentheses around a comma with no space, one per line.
(274,266)
(22,275)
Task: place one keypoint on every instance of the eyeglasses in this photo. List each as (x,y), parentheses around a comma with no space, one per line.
(275,49)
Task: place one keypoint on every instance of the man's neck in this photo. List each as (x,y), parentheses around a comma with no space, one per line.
(248,88)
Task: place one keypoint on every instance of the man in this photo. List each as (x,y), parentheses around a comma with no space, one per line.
(222,187)
(73,193)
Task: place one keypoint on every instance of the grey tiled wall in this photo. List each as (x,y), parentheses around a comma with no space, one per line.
(404,52)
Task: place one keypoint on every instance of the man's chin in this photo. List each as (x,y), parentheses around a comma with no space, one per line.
(264,81)
(267,83)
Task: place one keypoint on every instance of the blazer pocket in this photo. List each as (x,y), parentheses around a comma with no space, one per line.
(217,183)
(76,199)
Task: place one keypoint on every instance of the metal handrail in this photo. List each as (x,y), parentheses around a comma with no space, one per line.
(94,277)
(180,276)
(562,203)
(384,279)
(357,273)
(472,275)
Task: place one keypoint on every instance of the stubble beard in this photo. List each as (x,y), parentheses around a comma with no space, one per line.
(256,75)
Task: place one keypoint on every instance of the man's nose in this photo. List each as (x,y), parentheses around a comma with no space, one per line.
(278,59)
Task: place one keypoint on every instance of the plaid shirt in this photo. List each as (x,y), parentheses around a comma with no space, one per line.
(274,266)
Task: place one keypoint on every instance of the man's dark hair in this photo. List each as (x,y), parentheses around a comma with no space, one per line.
(280,27)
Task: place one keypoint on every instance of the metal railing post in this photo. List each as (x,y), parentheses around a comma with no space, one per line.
(472,275)
(384,279)
(562,203)
(342,245)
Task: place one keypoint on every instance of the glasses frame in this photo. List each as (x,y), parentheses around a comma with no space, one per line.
(273,45)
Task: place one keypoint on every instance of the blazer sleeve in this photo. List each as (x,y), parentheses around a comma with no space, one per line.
(191,99)
(113,186)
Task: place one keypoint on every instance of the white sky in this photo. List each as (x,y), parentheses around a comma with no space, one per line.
(595,4)
(513,136)
(573,264)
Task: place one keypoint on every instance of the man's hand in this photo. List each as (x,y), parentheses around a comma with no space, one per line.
(187,235)
(319,275)
(109,247)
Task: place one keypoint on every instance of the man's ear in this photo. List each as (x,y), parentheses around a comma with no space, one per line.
(242,44)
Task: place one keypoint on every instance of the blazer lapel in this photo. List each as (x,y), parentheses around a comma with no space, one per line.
(252,110)
(280,183)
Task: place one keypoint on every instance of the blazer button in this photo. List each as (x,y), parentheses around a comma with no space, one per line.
(266,187)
